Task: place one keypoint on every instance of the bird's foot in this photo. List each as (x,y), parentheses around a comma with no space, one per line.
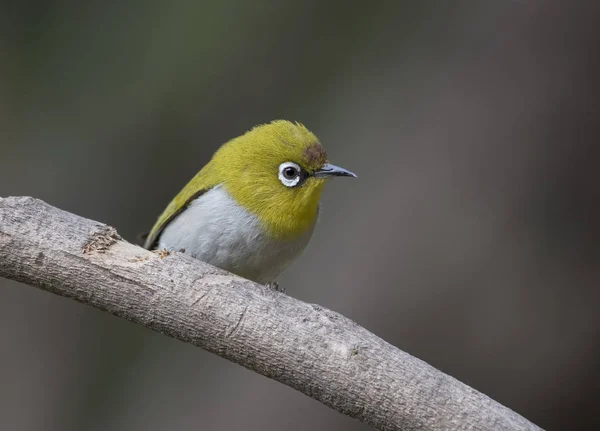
(275,286)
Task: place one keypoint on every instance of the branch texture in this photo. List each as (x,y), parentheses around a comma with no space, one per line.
(312,349)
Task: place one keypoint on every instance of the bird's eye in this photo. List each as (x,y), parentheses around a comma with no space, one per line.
(289,174)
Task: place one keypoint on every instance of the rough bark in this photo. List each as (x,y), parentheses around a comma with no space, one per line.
(307,347)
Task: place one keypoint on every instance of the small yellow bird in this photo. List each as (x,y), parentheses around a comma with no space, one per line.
(252,209)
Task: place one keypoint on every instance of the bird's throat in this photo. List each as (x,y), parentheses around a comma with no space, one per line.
(285,216)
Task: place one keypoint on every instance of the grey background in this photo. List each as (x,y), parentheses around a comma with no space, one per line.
(470,239)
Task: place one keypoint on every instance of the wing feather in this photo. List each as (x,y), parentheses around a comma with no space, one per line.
(197,186)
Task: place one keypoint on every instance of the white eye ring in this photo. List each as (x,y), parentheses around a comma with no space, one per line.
(284,176)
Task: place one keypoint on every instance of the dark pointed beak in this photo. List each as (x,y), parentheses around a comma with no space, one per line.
(329,170)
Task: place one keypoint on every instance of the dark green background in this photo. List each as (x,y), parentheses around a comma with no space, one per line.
(470,239)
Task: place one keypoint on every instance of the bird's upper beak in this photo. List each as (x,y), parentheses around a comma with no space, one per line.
(329,170)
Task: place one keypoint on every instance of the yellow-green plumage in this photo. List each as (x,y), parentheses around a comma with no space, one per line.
(268,222)
(247,167)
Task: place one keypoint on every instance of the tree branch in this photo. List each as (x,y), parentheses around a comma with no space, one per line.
(307,347)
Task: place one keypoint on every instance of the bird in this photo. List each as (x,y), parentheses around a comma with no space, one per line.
(252,209)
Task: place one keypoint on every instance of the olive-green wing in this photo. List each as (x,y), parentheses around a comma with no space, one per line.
(198,185)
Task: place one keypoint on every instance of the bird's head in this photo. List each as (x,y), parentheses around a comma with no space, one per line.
(277,172)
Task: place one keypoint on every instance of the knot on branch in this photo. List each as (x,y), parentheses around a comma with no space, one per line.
(102,240)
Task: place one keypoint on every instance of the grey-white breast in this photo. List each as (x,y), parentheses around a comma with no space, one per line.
(216,230)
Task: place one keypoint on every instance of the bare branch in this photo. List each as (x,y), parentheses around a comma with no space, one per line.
(312,349)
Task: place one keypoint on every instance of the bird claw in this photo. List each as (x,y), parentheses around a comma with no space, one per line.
(275,286)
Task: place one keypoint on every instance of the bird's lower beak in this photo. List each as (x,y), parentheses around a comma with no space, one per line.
(329,170)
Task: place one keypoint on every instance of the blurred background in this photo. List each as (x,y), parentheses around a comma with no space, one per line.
(471,238)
